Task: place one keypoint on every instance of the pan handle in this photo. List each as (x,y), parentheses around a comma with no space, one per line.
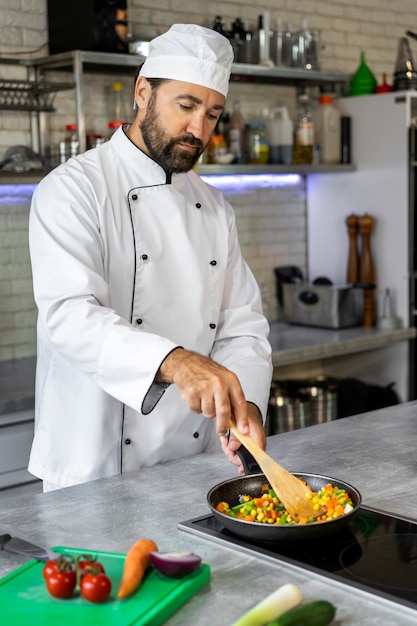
(3,540)
(249,464)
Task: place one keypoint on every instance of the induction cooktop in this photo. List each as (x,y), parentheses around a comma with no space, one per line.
(375,552)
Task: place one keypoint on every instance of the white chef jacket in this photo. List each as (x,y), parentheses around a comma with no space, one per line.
(127,266)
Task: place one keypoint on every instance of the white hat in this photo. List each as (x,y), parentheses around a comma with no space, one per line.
(191,54)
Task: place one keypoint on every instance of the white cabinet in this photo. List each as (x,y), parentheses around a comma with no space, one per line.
(16,434)
(382,186)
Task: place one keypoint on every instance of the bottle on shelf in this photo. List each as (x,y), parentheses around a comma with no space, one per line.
(113,126)
(263,38)
(327,130)
(118,113)
(257,148)
(237,39)
(304,134)
(70,145)
(280,135)
(307,44)
(219,26)
(276,43)
(217,144)
(236,134)
(287,39)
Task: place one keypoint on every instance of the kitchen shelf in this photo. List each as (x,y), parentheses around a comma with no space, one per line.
(79,61)
(25,95)
(217,170)
(244,72)
(30,95)
(34,177)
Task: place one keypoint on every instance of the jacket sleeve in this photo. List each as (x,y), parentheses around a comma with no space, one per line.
(76,319)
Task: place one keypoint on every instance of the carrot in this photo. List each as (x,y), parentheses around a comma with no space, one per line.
(136,563)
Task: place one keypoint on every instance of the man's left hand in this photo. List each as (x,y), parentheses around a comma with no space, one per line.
(256,431)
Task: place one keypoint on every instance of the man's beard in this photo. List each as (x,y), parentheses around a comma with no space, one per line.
(164,150)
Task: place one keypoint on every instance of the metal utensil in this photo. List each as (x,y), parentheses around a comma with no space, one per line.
(290,489)
(25,548)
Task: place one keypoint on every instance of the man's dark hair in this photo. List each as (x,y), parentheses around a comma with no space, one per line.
(154,82)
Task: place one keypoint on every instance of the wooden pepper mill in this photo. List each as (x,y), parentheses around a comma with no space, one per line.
(366,269)
(352,276)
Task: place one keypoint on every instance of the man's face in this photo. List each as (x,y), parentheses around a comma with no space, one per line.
(178,123)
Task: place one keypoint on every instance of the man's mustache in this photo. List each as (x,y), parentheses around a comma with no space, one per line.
(190,140)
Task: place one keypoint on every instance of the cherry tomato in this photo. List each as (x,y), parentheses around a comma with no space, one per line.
(61,584)
(87,564)
(60,564)
(51,567)
(95,587)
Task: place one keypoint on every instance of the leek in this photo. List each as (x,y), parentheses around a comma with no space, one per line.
(283,599)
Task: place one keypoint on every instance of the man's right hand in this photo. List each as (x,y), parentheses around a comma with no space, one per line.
(207,388)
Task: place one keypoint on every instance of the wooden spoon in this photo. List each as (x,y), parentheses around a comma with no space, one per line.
(290,490)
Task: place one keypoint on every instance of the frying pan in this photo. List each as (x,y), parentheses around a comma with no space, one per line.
(251,484)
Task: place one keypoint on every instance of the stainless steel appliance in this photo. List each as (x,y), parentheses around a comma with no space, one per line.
(326,306)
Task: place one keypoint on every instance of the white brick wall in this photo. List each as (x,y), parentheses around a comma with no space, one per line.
(347,27)
(17,307)
(271,222)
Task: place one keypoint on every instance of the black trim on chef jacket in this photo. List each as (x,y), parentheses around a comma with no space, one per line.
(156,390)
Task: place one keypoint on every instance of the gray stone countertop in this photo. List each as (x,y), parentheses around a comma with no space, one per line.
(17,385)
(292,343)
(375,452)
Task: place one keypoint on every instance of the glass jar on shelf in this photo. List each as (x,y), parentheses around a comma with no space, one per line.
(257,148)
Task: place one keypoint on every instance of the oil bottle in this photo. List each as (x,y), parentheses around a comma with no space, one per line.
(304,134)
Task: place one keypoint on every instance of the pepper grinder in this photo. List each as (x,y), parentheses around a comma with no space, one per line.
(366,270)
(352,275)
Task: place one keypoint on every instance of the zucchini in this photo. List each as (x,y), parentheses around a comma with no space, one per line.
(317,613)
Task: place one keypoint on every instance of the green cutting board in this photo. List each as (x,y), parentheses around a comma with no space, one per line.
(24,599)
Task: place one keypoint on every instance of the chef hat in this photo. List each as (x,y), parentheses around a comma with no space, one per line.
(191,54)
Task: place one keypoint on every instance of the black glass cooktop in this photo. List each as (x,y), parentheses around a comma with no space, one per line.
(376,552)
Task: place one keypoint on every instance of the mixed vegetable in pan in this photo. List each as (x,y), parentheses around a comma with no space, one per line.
(267,508)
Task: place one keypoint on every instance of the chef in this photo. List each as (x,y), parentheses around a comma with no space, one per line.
(150,327)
